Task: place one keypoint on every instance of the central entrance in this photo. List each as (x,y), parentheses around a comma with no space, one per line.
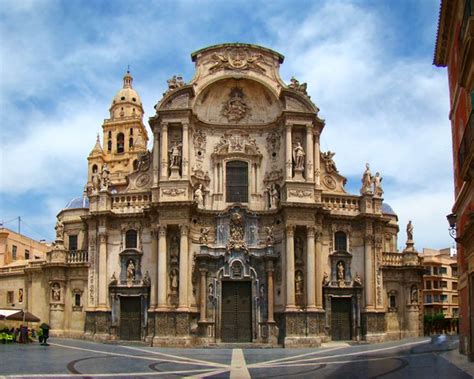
(236,312)
(341,319)
(130,318)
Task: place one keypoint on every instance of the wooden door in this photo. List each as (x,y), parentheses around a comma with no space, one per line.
(341,317)
(130,318)
(236,324)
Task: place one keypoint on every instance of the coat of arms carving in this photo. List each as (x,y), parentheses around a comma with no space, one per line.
(235,109)
(236,59)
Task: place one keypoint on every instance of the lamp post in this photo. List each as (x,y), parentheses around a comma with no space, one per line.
(452,217)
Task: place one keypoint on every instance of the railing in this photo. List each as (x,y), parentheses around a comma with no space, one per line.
(77,256)
(466,143)
(130,203)
(392,259)
(342,203)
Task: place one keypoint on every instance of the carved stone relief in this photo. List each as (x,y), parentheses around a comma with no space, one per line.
(235,108)
(237,59)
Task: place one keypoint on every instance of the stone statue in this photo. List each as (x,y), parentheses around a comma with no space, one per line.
(295,84)
(235,109)
(199,197)
(409,231)
(211,291)
(220,233)
(105,180)
(236,238)
(366,181)
(175,82)
(325,279)
(270,239)
(340,271)
(329,162)
(146,279)
(95,182)
(174,282)
(130,271)
(357,280)
(113,280)
(274,196)
(377,180)
(414,295)
(203,238)
(298,157)
(59,230)
(56,292)
(175,155)
(299,283)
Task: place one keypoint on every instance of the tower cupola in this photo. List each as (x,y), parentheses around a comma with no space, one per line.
(127,102)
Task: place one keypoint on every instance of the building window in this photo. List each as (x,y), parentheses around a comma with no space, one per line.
(436,298)
(435,284)
(455,300)
(340,241)
(27,254)
(135,165)
(435,270)
(455,312)
(14,252)
(94,169)
(120,143)
(443,271)
(444,298)
(131,131)
(237,182)
(444,284)
(392,301)
(20,295)
(10,297)
(109,145)
(77,299)
(130,142)
(454,271)
(428,284)
(73,242)
(428,299)
(131,239)
(455,286)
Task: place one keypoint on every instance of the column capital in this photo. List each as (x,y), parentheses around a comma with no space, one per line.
(154,230)
(290,229)
(311,230)
(102,237)
(309,128)
(162,230)
(184,230)
(164,126)
(269,266)
(369,239)
(289,126)
(185,125)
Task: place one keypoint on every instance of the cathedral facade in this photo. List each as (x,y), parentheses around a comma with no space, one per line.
(235,227)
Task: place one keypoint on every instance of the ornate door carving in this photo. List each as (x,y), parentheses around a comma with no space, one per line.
(236,312)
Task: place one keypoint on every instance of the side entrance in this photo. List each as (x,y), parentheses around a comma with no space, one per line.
(341,319)
(130,318)
(236,325)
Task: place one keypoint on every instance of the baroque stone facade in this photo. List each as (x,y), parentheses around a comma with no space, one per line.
(236,227)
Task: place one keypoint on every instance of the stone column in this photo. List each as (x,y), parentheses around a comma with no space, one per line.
(203,295)
(310,270)
(319,269)
(103,270)
(369,273)
(290,268)
(154,261)
(317,168)
(216,178)
(164,152)
(289,153)
(162,269)
(156,159)
(309,154)
(185,161)
(269,269)
(183,269)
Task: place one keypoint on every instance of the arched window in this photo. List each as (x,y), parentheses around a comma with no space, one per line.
(110,134)
(109,145)
(94,169)
(340,241)
(131,131)
(120,143)
(131,239)
(130,142)
(237,181)
(135,164)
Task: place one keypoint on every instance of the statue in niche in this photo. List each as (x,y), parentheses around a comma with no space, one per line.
(105,180)
(174,249)
(329,161)
(377,180)
(357,280)
(203,238)
(270,239)
(130,271)
(236,238)
(273,196)
(414,295)
(95,182)
(175,155)
(59,230)
(220,232)
(253,233)
(299,283)
(56,292)
(340,274)
(409,231)
(199,197)
(325,279)
(366,181)
(298,157)
(299,250)
(174,282)
(211,291)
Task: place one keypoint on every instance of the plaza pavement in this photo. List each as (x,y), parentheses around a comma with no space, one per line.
(413,358)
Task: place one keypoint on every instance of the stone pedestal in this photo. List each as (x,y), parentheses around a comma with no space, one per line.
(172,329)
(174,173)
(302,329)
(298,175)
(373,326)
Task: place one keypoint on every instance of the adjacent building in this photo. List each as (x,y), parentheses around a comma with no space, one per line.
(440,283)
(235,227)
(455,50)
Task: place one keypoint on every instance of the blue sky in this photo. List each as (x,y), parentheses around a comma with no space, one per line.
(368,65)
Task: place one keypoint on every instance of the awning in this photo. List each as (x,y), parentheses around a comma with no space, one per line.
(8,312)
(17,315)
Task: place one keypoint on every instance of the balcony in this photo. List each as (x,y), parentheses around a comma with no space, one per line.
(77,256)
(465,153)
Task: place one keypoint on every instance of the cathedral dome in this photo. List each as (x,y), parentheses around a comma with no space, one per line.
(127,102)
(78,203)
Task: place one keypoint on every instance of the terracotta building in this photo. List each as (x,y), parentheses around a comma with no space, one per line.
(235,227)
(455,50)
(440,287)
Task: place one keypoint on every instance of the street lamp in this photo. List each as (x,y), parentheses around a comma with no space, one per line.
(452,225)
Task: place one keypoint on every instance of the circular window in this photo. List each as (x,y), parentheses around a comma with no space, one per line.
(122,98)
(134,99)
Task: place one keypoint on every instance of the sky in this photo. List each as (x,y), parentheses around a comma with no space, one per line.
(368,65)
